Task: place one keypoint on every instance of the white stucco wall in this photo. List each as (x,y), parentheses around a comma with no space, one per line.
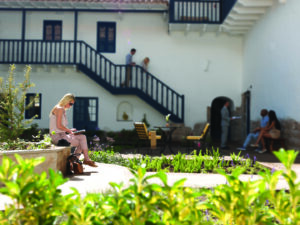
(201,67)
(35,21)
(177,59)
(271,61)
(10,24)
(53,82)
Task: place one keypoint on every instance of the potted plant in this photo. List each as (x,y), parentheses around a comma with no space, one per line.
(167,120)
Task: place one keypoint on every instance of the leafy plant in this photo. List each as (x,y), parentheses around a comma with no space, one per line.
(20,144)
(285,206)
(259,201)
(201,163)
(36,198)
(168,117)
(144,120)
(12,105)
(239,202)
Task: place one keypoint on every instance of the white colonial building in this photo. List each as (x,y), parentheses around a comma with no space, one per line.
(202,53)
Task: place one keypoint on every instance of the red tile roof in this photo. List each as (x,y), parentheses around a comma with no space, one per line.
(90,1)
(87,4)
(97,1)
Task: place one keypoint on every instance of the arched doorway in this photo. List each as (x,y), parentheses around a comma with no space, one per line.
(215,116)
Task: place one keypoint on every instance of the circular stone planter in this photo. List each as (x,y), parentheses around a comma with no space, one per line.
(55,157)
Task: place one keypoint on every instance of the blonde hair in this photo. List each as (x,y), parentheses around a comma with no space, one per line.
(146,60)
(63,101)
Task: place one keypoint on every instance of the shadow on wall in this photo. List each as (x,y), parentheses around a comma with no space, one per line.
(215,117)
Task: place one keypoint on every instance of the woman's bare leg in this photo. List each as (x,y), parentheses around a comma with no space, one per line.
(265,135)
(261,134)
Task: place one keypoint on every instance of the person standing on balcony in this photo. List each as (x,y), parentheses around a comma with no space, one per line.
(129,63)
(225,122)
(59,130)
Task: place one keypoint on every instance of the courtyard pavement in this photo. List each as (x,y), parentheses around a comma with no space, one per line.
(98,179)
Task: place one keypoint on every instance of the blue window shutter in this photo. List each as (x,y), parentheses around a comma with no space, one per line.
(106,37)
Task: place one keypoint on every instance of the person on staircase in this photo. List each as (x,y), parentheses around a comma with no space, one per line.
(145,63)
(146,82)
(129,64)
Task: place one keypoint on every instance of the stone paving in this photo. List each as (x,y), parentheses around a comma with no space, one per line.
(98,179)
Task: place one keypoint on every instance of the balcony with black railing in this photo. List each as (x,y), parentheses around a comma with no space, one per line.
(199,11)
(107,74)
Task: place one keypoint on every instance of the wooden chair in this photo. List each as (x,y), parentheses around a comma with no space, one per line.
(276,143)
(201,138)
(145,135)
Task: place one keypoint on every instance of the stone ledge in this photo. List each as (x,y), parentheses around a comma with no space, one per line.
(55,158)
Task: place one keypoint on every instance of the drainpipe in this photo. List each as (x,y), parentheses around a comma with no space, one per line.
(23,34)
(75,34)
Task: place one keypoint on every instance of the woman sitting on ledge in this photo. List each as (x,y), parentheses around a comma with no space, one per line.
(272,130)
(59,129)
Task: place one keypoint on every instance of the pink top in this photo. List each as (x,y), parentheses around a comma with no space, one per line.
(53,126)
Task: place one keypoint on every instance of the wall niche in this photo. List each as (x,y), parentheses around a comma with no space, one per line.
(124,112)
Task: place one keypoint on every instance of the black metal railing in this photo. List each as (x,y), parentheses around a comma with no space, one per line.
(111,76)
(37,52)
(195,11)
(199,11)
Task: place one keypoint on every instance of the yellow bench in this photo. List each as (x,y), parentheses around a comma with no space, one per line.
(200,138)
(145,135)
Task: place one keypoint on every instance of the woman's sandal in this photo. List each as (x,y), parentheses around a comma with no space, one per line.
(254,145)
(90,163)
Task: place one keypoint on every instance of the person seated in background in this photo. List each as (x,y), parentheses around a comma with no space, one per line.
(255,133)
(271,131)
(59,130)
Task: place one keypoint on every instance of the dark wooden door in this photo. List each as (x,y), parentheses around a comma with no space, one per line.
(85,114)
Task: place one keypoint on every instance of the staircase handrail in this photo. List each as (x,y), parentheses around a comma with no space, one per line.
(98,67)
(138,66)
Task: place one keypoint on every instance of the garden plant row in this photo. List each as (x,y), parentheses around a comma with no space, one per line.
(207,162)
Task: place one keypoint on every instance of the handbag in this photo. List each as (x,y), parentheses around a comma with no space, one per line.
(63,142)
(74,165)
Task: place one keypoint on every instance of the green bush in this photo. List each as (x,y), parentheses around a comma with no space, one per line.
(40,142)
(34,133)
(124,137)
(121,139)
(12,105)
(37,199)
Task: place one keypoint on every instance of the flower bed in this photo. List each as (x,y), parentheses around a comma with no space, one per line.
(182,163)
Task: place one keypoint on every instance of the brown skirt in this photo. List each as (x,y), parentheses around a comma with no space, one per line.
(274,133)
